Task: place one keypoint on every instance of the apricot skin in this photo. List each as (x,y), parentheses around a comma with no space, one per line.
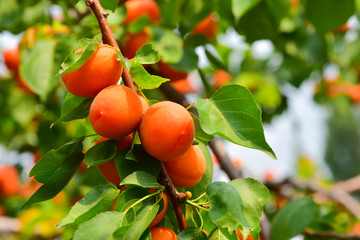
(207,27)
(12,59)
(137,8)
(133,42)
(169,72)
(100,71)
(115,112)
(166,131)
(162,233)
(187,170)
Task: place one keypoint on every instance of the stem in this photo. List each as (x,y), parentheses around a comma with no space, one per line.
(108,37)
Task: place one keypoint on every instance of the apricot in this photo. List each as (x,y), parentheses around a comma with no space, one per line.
(108,169)
(99,71)
(207,27)
(187,170)
(115,112)
(9,181)
(183,86)
(138,8)
(12,59)
(162,233)
(220,78)
(144,103)
(240,236)
(166,131)
(169,72)
(163,211)
(133,42)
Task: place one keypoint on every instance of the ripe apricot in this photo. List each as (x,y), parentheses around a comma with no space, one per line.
(138,8)
(144,103)
(240,236)
(115,112)
(169,72)
(220,78)
(162,233)
(9,181)
(133,42)
(108,169)
(12,59)
(166,130)
(207,27)
(163,211)
(183,86)
(187,170)
(99,71)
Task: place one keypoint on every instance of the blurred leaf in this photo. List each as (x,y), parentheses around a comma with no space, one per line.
(140,179)
(139,24)
(327,15)
(240,7)
(188,62)
(37,67)
(74,107)
(97,200)
(192,233)
(147,54)
(142,78)
(169,44)
(101,152)
(239,202)
(109,4)
(222,234)
(293,219)
(100,227)
(233,114)
(22,107)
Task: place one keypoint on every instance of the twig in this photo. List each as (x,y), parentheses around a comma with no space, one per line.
(349,185)
(108,37)
(327,235)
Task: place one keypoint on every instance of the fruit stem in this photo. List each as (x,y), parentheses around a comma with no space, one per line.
(108,36)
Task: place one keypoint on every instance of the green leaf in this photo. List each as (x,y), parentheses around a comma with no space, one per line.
(188,62)
(22,107)
(142,162)
(142,78)
(37,67)
(74,107)
(140,179)
(222,234)
(327,15)
(192,233)
(199,132)
(99,199)
(169,44)
(139,24)
(129,195)
(101,152)
(232,114)
(147,54)
(47,166)
(100,227)
(109,4)
(293,219)
(240,7)
(75,61)
(58,179)
(239,202)
(144,217)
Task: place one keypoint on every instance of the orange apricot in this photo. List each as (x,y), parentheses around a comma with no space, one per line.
(163,211)
(183,86)
(108,169)
(187,170)
(9,181)
(240,236)
(144,103)
(220,78)
(137,8)
(115,112)
(162,233)
(133,42)
(12,59)
(166,130)
(169,72)
(99,71)
(207,27)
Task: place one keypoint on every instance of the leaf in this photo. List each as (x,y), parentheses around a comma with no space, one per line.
(37,68)
(142,162)
(109,4)
(99,199)
(58,179)
(146,54)
(139,24)
(100,227)
(293,219)
(240,7)
(192,233)
(333,13)
(142,78)
(188,62)
(222,234)
(169,44)
(140,179)
(144,217)
(74,107)
(232,114)
(129,195)
(101,152)
(239,202)
(47,166)
(76,59)
(199,132)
